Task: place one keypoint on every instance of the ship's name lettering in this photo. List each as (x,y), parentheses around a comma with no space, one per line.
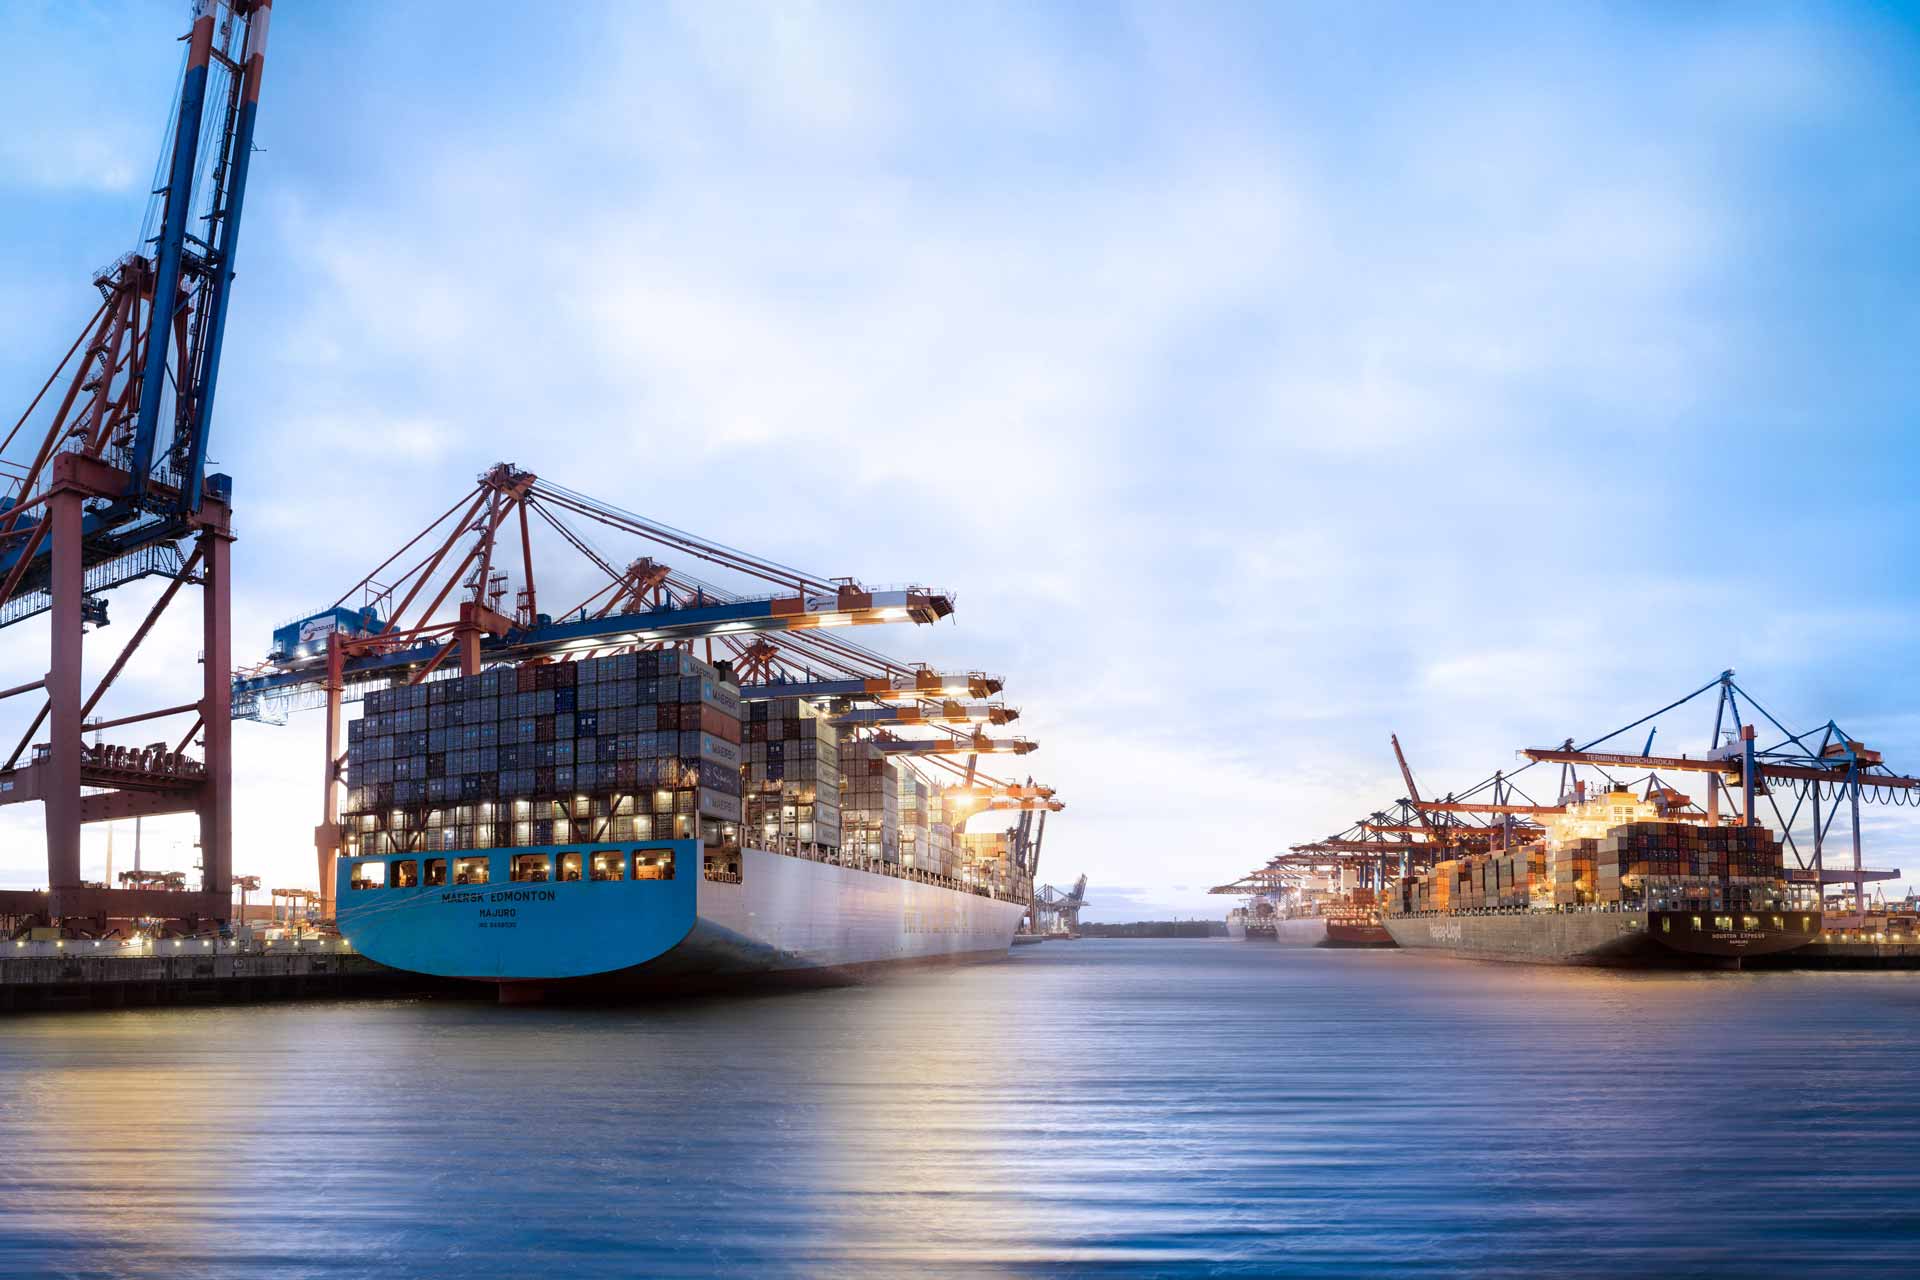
(501,895)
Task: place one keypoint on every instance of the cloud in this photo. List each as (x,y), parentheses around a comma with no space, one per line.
(1259,396)
(101,143)
(68,159)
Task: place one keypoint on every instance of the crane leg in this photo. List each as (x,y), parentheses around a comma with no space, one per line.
(61,786)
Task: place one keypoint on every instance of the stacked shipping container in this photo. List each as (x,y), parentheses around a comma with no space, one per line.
(647,746)
(1682,864)
(869,803)
(791,787)
(1666,865)
(1574,867)
(632,746)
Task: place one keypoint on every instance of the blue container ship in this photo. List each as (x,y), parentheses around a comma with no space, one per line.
(594,826)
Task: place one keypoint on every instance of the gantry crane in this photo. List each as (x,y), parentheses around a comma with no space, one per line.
(1057,913)
(107,483)
(1822,764)
(1825,769)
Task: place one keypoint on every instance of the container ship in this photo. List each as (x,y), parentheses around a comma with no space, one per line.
(1307,910)
(1347,919)
(1617,879)
(625,824)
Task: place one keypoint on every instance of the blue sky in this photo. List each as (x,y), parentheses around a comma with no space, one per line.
(1263,379)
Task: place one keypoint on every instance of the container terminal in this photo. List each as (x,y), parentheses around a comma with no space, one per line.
(1056,912)
(1624,864)
(663,780)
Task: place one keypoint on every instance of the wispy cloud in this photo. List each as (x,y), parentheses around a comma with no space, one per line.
(1264,383)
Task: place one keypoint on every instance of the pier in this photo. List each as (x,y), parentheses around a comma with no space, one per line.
(80,974)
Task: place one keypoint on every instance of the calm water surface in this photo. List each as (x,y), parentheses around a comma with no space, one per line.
(1091,1108)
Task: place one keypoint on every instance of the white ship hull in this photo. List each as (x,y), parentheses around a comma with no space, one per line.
(790,915)
(786,918)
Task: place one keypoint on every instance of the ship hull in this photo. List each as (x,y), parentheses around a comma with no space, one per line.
(1300,931)
(787,921)
(1320,931)
(1357,935)
(1620,939)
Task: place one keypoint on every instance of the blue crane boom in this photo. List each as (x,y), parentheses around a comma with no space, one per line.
(582,634)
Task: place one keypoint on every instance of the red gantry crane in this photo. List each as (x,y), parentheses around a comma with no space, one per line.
(105,482)
(1825,771)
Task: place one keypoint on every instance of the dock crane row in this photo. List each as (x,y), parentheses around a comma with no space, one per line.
(103,482)
(438,607)
(1056,913)
(1824,772)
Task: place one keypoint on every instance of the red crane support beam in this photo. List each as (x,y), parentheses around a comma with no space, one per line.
(1365,846)
(1672,764)
(1406,775)
(1469,806)
(1729,768)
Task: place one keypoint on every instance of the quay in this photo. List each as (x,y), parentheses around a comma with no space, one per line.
(1848,949)
(83,974)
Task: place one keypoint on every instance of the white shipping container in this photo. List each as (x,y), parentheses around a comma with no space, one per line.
(719,751)
(718,804)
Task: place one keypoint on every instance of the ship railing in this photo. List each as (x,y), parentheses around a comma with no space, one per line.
(833,856)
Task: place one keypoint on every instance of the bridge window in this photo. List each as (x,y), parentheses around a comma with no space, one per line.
(1696,922)
(406,874)
(368,875)
(531,867)
(653,864)
(569,866)
(436,871)
(609,865)
(471,870)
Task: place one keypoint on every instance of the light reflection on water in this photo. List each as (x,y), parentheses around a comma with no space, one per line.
(1150,1108)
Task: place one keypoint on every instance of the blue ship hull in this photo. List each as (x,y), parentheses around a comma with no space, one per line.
(785,919)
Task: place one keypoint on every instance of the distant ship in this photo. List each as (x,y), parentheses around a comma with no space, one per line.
(1616,881)
(1346,920)
(1311,913)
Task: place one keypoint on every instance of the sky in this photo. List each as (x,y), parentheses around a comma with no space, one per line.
(1262,379)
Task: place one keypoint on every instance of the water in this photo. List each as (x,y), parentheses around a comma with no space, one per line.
(1092,1108)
